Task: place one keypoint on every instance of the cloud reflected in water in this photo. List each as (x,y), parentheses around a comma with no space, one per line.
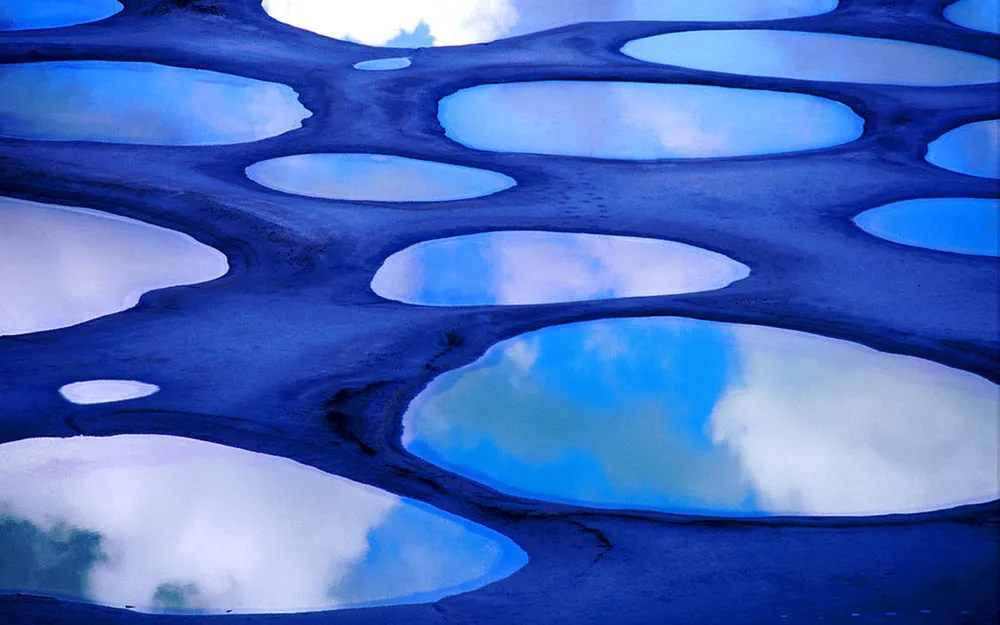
(28,14)
(972,149)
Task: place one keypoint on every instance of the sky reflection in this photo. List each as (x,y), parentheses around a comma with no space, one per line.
(962,225)
(626,120)
(60,266)
(375,177)
(981,15)
(170,524)
(105,391)
(420,23)
(815,56)
(382,65)
(28,14)
(972,149)
(694,416)
(526,267)
(147,103)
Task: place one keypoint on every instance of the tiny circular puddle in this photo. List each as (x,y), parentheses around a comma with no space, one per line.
(972,149)
(381,65)
(30,14)
(60,265)
(424,23)
(698,417)
(176,525)
(642,121)
(376,178)
(532,267)
(815,56)
(141,103)
(960,225)
(981,15)
(105,391)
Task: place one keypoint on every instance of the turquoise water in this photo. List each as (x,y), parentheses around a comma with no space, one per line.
(683,415)
(962,225)
(29,14)
(641,121)
(816,56)
(972,149)
(169,524)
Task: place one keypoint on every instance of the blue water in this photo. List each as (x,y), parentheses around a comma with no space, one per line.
(981,15)
(29,14)
(816,56)
(532,267)
(376,177)
(972,149)
(962,225)
(690,416)
(381,65)
(640,121)
(177,525)
(125,102)
(422,23)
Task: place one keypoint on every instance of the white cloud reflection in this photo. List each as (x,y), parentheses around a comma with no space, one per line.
(530,267)
(105,391)
(60,266)
(235,530)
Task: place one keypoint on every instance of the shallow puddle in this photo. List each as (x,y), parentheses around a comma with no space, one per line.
(60,266)
(375,177)
(981,15)
(531,267)
(962,225)
(145,103)
(29,14)
(815,56)
(691,416)
(105,391)
(168,524)
(640,121)
(381,65)
(421,23)
(972,149)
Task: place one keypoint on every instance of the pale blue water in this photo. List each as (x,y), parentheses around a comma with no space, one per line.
(972,149)
(682,415)
(381,65)
(962,225)
(816,56)
(640,121)
(170,524)
(29,14)
(531,267)
(421,23)
(975,14)
(124,102)
(376,177)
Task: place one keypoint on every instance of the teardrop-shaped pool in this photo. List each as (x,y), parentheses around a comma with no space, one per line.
(29,14)
(972,149)
(60,265)
(145,103)
(960,225)
(533,267)
(376,178)
(642,121)
(168,524)
(383,65)
(981,15)
(816,56)
(89,392)
(421,23)
(691,416)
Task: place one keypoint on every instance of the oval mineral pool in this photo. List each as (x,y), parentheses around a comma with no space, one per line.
(642,121)
(691,416)
(972,149)
(105,391)
(961,225)
(146,103)
(60,266)
(420,23)
(375,177)
(981,15)
(526,267)
(29,14)
(816,56)
(381,65)
(168,524)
